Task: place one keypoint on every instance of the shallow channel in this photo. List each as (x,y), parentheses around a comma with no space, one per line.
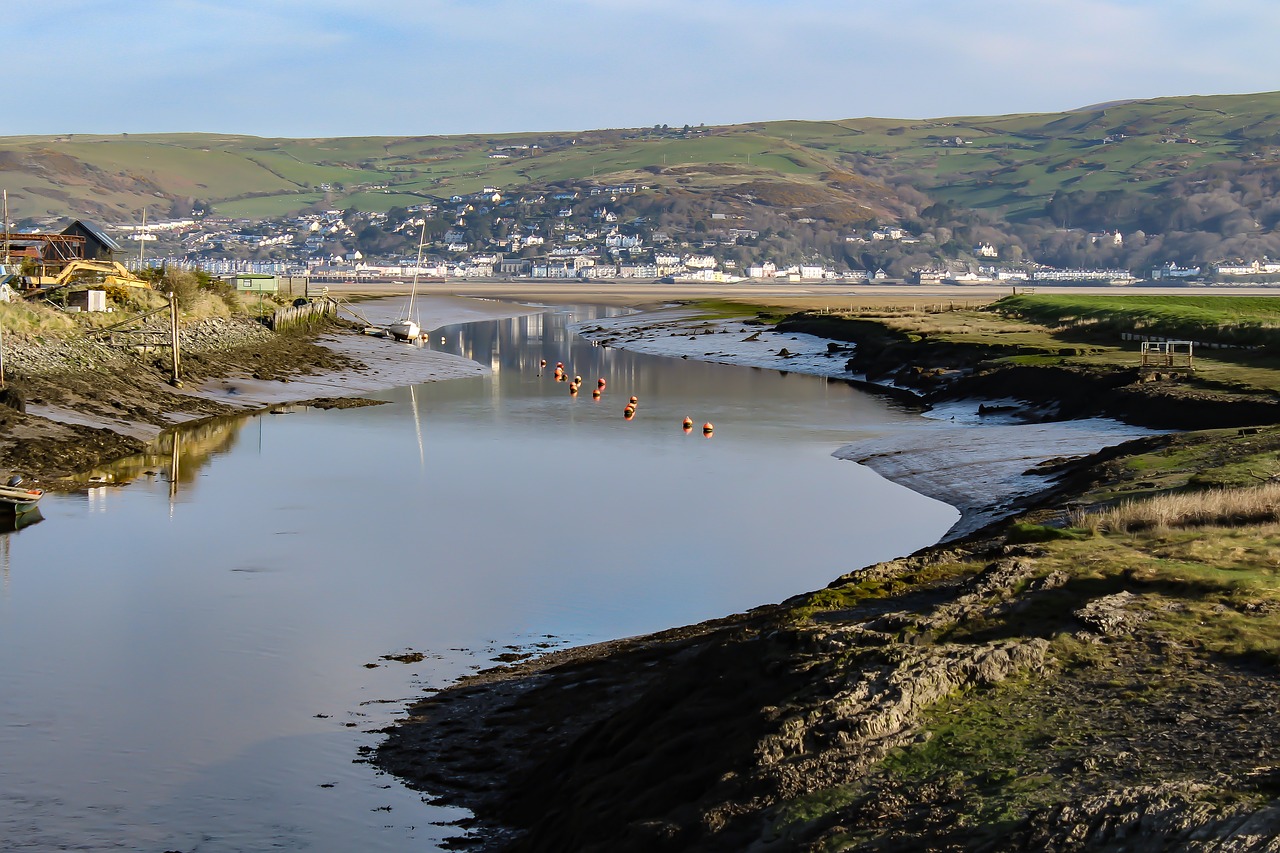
(193,661)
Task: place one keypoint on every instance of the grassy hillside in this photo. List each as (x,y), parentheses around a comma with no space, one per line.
(1011,163)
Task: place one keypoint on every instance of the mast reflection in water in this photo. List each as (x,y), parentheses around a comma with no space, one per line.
(197,665)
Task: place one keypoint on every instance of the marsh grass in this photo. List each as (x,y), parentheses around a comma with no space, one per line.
(1209,508)
(1236,320)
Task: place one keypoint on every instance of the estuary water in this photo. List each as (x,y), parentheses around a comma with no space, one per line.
(196,656)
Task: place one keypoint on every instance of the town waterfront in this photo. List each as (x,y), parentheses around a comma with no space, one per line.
(196,660)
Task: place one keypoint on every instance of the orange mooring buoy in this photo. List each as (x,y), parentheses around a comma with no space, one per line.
(707,428)
(688,423)
(634,401)
(573,389)
(628,413)
(600,382)
(596,393)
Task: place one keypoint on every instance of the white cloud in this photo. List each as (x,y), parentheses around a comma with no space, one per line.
(329,67)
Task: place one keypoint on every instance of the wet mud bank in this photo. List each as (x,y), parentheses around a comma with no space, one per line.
(936,371)
(1021,687)
(74,405)
(974,696)
(82,410)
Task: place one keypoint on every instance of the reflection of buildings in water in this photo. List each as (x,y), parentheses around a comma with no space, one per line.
(519,343)
(97,496)
(178,454)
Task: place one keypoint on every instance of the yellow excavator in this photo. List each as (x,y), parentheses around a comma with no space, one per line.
(80,273)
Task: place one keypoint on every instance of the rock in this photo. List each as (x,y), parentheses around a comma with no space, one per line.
(1168,816)
(12,398)
(1113,614)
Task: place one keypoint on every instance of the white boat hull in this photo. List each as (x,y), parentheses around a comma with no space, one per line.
(404,330)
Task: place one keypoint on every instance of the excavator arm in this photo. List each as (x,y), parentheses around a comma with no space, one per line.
(86,272)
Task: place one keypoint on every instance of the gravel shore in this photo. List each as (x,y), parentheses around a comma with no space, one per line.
(75,403)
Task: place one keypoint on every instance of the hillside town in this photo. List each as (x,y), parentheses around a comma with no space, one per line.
(568,234)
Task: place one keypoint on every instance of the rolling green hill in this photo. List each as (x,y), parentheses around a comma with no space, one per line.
(1010,164)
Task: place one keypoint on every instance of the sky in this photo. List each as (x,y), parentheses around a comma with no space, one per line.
(319,68)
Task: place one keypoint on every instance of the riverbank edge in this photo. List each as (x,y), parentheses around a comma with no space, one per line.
(75,405)
(997,450)
(493,742)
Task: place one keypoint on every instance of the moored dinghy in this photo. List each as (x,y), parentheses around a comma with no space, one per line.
(17,498)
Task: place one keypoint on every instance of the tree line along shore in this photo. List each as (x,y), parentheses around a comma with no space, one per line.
(1098,671)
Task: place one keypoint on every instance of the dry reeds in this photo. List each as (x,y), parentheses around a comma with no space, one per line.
(33,318)
(1213,507)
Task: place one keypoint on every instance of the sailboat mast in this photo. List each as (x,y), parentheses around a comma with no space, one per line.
(422,241)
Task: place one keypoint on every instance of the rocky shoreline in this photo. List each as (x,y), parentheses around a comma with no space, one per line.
(76,403)
(721,736)
(1019,688)
(983,694)
(976,461)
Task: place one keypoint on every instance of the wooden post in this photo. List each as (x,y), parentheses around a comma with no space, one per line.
(175,381)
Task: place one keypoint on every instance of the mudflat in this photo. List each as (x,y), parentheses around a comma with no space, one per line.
(1093,667)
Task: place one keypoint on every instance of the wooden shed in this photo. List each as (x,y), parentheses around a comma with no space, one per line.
(98,246)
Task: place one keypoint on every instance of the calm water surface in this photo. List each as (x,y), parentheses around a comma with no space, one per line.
(183,660)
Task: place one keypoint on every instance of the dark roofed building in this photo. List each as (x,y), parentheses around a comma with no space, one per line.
(98,246)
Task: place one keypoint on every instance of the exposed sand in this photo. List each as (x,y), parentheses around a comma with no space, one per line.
(678,332)
(977,464)
(796,295)
(387,363)
(981,469)
(145,410)
(974,464)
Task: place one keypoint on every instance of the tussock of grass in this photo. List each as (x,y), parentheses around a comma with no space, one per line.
(205,304)
(33,319)
(1213,507)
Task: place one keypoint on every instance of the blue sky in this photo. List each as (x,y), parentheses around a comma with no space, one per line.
(416,67)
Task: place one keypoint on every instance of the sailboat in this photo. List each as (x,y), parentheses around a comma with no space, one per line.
(407,328)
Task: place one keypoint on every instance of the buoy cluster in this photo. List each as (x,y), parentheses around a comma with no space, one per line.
(629,411)
(707,428)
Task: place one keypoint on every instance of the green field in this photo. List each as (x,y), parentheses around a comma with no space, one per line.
(267,206)
(1239,320)
(1013,162)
